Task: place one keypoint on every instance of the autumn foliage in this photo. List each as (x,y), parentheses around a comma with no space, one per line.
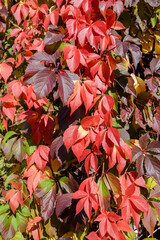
(79,119)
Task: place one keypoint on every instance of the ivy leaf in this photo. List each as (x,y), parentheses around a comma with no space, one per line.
(40,157)
(153,3)
(150,159)
(47,203)
(125,46)
(65,86)
(18,236)
(7,148)
(3,219)
(22,222)
(149,220)
(130,3)
(155,122)
(114,183)
(40,74)
(19,150)
(15,196)
(52,37)
(136,53)
(4,208)
(43,81)
(46,191)
(8,135)
(34,175)
(50,230)
(63,201)
(87,194)
(5,71)
(9,229)
(152,166)
(58,150)
(105,200)
(108,224)
(44,76)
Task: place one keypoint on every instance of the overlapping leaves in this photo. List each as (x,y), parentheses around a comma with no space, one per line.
(147,156)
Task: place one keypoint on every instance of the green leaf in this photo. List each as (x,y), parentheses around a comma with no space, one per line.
(10,178)
(18,236)
(19,150)
(1,126)
(8,135)
(22,222)
(102,183)
(130,235)
(114,182)
(64,182)
(116,124)
(44,186)
(150,239)
(29,149)
(10,228)
(4,208)
(25,211)
(82,231)
(3,219)
(50,230)
(154,20)
(113,93)
(46,191)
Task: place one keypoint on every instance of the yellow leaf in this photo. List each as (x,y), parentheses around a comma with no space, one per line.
(157,47)
(71,235)
(82,231)
(147,42)
(134,142)
(157,35)
(48,172)
(138,84)
(82,132)
(150,183)
(55,164)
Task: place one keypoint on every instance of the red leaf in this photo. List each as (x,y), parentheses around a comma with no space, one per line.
(110,20)
(44,152)
(79,194)
(124,226)
(90,121)
(40,157)
(75,100)
(88,93)
(140,203)
(106,104)
(149,220)
(70,136)
(114,136)
(99,27)
(34,176)
(108,224)
(15,198)
(72,56)
(104,72)
(91,162)
(127,150)
(93,235)
(5,71)
(9,110)
(87,194)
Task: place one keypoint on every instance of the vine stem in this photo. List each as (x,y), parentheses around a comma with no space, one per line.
(149,234)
